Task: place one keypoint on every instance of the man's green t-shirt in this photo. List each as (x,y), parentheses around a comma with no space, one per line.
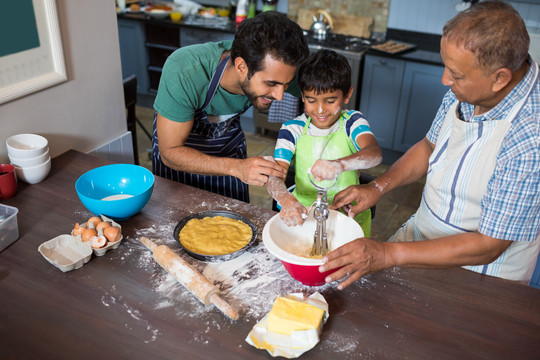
(185,79)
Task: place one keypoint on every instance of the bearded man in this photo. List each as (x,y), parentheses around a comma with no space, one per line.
(204,88)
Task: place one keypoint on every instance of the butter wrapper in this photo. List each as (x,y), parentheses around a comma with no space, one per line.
(293,345)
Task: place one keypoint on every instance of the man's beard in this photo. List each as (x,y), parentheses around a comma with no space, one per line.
(252,97)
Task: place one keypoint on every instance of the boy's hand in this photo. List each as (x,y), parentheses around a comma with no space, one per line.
(292,211)
(326,169)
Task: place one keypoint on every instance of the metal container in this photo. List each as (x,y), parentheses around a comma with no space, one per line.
(322,25)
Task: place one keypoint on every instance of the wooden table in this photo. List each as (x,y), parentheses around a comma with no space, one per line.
(124,306)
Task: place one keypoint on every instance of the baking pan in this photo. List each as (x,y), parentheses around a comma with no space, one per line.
(393,47)
(213,213)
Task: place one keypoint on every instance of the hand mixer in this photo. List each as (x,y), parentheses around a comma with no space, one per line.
(320,213)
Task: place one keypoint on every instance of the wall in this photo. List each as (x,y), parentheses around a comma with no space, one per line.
(430,16)
(87,111)
(376,9)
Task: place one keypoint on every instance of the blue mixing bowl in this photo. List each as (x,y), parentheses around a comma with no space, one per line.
(117,191)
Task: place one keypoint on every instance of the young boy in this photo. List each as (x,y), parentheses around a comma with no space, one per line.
(326,140)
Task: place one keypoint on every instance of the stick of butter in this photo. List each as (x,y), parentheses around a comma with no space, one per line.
(292,326)
(288,315)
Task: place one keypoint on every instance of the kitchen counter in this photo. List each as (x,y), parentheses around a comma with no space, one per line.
(123,305)
(427,47)
(218,23)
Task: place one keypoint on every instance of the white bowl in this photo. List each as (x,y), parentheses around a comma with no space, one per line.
(26,146)
(35,161)
(34,174)
(158,13)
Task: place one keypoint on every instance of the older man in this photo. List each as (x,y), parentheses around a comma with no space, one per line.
(481,203)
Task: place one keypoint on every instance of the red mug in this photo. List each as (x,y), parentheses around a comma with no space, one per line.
(8,181)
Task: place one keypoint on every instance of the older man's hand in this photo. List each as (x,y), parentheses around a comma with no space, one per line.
(354,260)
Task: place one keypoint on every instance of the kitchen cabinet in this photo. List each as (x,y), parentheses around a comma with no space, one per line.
(191,36)
(146,44)
(133,52)
(400,99)
(161,41)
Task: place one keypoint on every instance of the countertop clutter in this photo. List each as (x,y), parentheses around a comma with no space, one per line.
(124,305)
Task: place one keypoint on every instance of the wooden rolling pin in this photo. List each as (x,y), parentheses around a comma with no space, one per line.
(186,275)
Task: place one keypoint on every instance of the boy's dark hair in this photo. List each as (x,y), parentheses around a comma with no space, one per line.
(271,33)
(325,71)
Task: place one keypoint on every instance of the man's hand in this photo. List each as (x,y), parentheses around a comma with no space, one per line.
(365,196)
(256,170)
(354,259)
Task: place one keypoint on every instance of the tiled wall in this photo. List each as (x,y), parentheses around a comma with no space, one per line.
(430,17)
(376,9)
(427,16)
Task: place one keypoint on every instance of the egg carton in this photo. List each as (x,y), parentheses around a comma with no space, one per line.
(68,252)
(110,245)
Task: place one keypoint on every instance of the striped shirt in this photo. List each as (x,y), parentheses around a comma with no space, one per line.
(354,123)
(511,205)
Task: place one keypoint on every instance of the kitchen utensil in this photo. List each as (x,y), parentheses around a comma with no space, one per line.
(320,213)
(117,191)
(8,181)
(393,47)
(213,213)
(353,25)
(34,174)
(189,277)
(322,25)
(283,242)
(35,161)
(26,146)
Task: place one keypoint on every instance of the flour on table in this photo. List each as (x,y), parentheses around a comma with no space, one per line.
(249,283)
(109,300)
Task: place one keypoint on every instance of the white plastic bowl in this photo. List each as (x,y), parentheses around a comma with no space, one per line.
(35,161)
(34,174)
(26,146)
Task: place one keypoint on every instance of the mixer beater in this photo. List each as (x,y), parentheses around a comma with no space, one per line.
(320,213)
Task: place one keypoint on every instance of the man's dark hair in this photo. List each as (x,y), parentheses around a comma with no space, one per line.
(271,33)
(325,71)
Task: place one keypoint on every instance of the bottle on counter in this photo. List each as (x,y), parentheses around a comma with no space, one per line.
(252,8)
(269,5)
(242,10)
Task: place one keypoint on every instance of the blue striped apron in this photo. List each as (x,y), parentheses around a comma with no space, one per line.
(223,139)
(460,168)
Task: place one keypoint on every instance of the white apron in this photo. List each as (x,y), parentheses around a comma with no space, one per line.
(460,168)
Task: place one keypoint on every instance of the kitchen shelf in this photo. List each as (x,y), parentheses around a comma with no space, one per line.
(158,53)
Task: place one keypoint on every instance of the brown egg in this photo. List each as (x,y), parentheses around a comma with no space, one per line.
(87,234)
(98,242)
(95,220)
(102,225)
(77,230)
(112,233)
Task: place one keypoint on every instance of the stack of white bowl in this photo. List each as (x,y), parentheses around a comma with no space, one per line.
(29,153)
